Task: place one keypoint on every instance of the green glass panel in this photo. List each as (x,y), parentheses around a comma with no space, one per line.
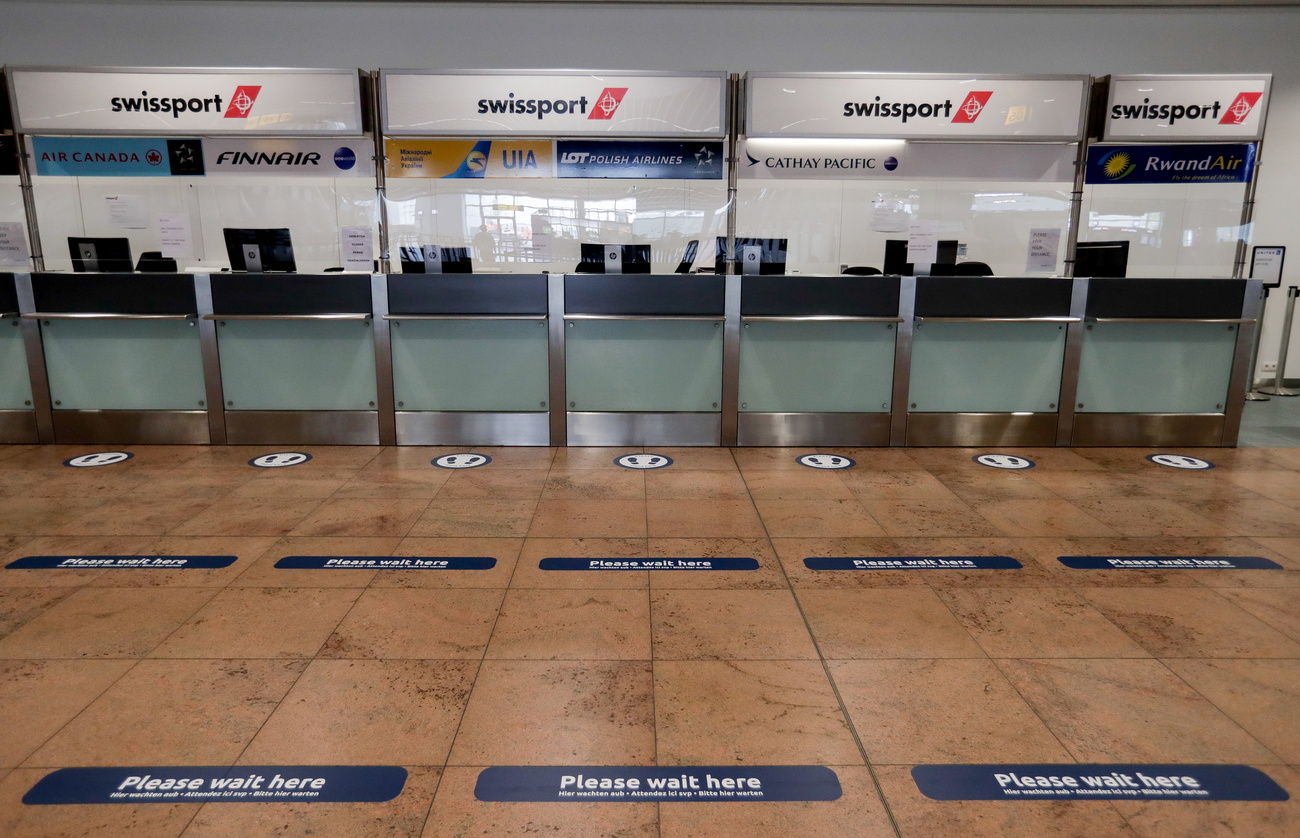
(986,367)
(470,364)
(15,383)
(1156,367)
(297,364)
(816,367)
(123,364)
(656,366)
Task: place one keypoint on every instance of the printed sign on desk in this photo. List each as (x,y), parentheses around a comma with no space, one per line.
(13,244)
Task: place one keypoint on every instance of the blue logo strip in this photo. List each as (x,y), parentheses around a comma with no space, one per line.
(101,156)
(1171,164)
(647,564)
(220,784)
(639,784)
(128,562)
(700,160)
(1096,782)
(1169,563)
(386,563)
(914,563)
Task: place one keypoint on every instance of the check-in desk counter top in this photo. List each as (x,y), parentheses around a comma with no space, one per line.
(297,358)
(643,359)
(817,358)
(17,407)
(121,357)
(470,359)
(1163,361)
(988,360)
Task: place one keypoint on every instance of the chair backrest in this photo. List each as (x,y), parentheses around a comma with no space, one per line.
(860,270)
(972,269)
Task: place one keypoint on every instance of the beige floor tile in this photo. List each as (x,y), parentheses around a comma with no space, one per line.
(930,517)
(504,550)
(1251,517)
(293,482)
(559,713)
(916,484)
(766,459)
(674,484)
(249,516)
(474,518)
(1038,623)
(817,519)
(989,484)
(729,625)
(105,623)
(394,482)
(355,712)
(1278,607)
(416,623)
(173,712)
(1260,695)
(148,820)
(494,482)
(245,551)
(260,623)
(589,519)
(702,518)
(1130,711)
(927,711)
(596,484)
(805,484)
(262,572)
(885,623)
(1089,485)
(750,713)
(37,698)
(1145,517)
(1220,818)
(19,605)
(1040,517)
(26,515)
(89,545)
(528,573)
(356,517)
(768,575)
(587,625)
(588,458)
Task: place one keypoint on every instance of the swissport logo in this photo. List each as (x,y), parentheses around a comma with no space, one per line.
(241,104)
(971,109)
(1240,108)
(609,100)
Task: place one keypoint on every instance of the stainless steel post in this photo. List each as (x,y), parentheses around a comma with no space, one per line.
(1277,389)
(1253,395)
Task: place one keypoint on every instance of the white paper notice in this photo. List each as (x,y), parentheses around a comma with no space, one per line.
(358,252)
(127,212)
(174,230)
(888,216)
(13,244)
(1044,247)
(922,246)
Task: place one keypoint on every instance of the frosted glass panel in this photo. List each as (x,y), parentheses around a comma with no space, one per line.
(1156,367)
(297,364)
(644,365)
(986,367)
(494,365)
(123,364)
(15,383)
(11,211)
(816,367)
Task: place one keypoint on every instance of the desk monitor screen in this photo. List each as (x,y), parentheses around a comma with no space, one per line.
(615,259)
(100,255)
(259,250)
(434,259)
(1101,259)
(753,256)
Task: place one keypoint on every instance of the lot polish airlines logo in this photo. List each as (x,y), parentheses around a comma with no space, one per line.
(971,109)
(241,104)
(1240,108)
(607,103)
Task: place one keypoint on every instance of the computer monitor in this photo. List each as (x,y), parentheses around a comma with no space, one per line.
(434,259)
(1101,259)
(100,255)
(615,259)
(753,256)
(896,257)
(264,250)
(688,258)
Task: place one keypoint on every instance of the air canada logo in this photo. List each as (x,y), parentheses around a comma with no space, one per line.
(1240,108)
(1117,165)
(241,104)
(607,103)
(971,109)
(153,157)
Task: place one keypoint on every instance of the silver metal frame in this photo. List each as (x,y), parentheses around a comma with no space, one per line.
(1267,78)
(385,401)
(903,362)
(1074,334)
(42,404)
(558,384)
(731,417)
(211,360)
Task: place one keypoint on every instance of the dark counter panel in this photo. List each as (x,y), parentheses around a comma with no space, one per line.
(8,294)
(845,296)
(291,294)
(114,293)
(467,294)
(1207,299)
(668,295)
(998,296)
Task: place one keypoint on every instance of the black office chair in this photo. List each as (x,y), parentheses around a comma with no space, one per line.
(153,262)
(971,269)
(859,270)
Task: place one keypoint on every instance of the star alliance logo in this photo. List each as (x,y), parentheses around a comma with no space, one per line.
(704,157)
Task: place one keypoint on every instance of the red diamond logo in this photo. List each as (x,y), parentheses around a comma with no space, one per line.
(971,109)
(241,104)
(608,101)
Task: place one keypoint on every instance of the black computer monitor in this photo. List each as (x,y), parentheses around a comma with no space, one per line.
(688,258)
(1101,259)
(434,259)
(896,257)
(753,256)
(263,250)
(615,259)
(100,255)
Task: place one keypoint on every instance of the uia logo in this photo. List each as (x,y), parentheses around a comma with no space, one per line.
(1117,165)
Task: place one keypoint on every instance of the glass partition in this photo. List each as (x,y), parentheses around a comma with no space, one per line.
(12,212)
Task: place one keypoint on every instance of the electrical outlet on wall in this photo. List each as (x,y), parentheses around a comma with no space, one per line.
(1269,367)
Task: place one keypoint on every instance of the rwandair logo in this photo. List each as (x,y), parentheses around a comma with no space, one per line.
(1117,165)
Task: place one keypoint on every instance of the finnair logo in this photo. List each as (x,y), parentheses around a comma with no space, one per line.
(241,104)
(971,109)
(607,103)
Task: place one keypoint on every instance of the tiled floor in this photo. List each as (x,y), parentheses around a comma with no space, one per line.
(446,672)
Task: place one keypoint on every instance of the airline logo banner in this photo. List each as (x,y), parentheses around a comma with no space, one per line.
(552,104)
(186,103)
(888,106)
(117,156)
(883,160)
(775,159)
(1157,108)
(1186,163)
(335,158)
(700,160)
(469,159)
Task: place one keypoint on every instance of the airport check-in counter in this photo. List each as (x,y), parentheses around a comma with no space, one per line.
(470,359)
(119,358)
(643,359)
(989,360)
(1164,361)
(817,360)
(17,406)
(297,356)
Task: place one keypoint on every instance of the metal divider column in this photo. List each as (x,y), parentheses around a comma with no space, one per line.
(1243,359)
(1277,388)
(902,361)
(1074,334)
(385,401)
(31,330)
(213,391)
(731,363)
(559,416)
